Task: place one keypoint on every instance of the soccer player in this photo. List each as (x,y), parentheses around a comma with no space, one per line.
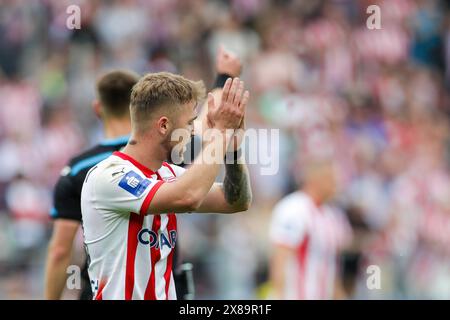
(67,212)
(307,235)
(112,107)
(129,200)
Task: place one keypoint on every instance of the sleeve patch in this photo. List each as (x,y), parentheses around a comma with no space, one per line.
(134,183)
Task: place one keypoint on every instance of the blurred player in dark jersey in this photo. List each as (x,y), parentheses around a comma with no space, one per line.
(112,107)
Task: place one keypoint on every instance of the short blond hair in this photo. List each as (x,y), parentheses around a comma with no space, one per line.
(162,89)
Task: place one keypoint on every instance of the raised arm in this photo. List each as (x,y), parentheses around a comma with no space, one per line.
(189,191)
(228,65)
(235,193)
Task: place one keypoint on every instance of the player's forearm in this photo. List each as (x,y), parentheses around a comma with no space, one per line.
(55,278)
(192,187)
(201,176)
(277,280)
(278,262)
(236,187)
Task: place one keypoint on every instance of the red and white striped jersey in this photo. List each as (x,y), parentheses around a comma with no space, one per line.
(129,252)
(316,234)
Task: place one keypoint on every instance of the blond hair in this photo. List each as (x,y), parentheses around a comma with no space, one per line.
(162,89)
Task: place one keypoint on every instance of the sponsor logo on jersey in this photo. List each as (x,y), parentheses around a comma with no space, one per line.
(149,237)
(134,183)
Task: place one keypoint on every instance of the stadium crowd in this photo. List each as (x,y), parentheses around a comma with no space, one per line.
(376,101)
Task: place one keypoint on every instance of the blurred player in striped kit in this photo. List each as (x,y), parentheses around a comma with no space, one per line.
(307,234)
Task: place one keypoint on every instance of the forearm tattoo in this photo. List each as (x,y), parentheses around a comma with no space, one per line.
(236,185)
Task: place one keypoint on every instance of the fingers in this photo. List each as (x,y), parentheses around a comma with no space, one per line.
(233,90)
(210,102)
(237,97)
(226,89)
(244,100)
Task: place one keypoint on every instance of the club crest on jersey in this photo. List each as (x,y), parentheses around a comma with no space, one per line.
(149,237)
(134,183)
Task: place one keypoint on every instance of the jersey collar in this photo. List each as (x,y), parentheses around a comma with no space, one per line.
(148,172)
(115,141)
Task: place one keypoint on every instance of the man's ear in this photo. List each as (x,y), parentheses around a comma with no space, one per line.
(97,107)
(163,125)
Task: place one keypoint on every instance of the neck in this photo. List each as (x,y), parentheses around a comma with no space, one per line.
(146,151)
(114,128)
(314,194)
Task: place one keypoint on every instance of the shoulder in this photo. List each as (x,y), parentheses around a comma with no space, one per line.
(112,169)
(117,185)
(82,162)
(292,206)
(116,177)
(289,220)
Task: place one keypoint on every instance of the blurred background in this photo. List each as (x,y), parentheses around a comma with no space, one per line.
(375,101)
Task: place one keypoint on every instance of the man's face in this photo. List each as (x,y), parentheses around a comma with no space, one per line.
(328,181)
(322,178)
(182,131)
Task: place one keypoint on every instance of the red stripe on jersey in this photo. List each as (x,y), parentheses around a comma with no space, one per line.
(155,255)
(171,226)
(101,286)
(148,199)
(302,256)
(165,164)
(134,226)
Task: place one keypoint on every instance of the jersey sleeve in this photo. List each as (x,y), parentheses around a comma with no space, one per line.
(124,190)
(287,226)
(66,199)
(177,170)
